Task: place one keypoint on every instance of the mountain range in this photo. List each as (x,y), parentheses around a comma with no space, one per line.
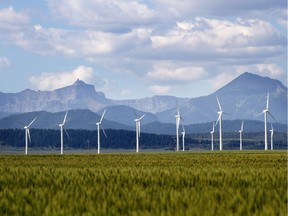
(243,98)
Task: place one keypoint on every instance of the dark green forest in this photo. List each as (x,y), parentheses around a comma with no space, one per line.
(124,139)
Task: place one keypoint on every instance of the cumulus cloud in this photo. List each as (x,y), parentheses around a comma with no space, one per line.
(50,81)
(158,89)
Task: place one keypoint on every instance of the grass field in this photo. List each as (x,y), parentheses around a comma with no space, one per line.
(203,183)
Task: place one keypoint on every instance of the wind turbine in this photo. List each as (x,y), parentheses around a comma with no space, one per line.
(220,113)
(137,121)
(27,135)
(98,130)
(266,112)
(183,138)
(178,117)
(240,132)
(272,133)
(212,137)
(61,128)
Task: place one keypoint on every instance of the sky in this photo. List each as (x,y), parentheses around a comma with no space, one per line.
(132,49)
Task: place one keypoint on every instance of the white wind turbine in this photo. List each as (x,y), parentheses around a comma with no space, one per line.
(266,112)
(138,122)
(220,113)
(272,133)
(98,130)
(27,135)
(212,137)
(183,138)
(240,132)
(178,117)
(61,128)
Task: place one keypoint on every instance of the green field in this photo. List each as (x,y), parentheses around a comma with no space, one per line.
(203,183)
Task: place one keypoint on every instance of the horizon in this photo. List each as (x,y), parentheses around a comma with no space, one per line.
(86,83)
(139,48)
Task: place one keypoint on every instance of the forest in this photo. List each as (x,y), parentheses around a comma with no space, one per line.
(124,139)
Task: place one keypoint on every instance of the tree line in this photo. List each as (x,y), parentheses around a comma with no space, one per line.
(124,139)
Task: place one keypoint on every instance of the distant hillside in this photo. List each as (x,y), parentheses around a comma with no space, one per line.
(86,119)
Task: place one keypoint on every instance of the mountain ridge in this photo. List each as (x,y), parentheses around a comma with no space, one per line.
(244,97)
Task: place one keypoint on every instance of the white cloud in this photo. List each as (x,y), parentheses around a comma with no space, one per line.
(271,70)
(4,62)
(158,89)
(125,92)
(165,71)
(50,81)
(114,14)
(12,20)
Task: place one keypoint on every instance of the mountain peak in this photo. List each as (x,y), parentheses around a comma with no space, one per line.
(79,82)
(249,82)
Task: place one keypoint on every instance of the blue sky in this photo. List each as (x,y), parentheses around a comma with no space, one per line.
(135,49)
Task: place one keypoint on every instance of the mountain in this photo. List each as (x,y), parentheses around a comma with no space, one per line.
(243,98)
(77,96)
(76,119)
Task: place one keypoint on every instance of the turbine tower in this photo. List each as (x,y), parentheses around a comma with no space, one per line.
(178,117)
(137,121)
(220,113)
(27,135)
(272,133)
(98,130)
(240,132)
(212,137)
(183,138)
(266,112)
(61,128)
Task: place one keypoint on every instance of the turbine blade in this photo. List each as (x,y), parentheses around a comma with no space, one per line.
(272,116)
(178,112)
(259,114)
(32,122)
(103,131)
(64,120)
(267,102)
(213,126)
(219,105)
(183,129)
(272,127)
(242,126)
(141,117)
(102,116)
(139,131)
(28,133)
(66,133)
(217,120)
(135,114)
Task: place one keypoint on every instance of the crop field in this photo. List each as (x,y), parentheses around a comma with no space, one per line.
(203,183)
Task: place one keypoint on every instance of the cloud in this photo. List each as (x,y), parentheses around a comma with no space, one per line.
(50,81)
(12,20)
(165,71)
(158,89)
(4,62)
(103,14)
(188,8)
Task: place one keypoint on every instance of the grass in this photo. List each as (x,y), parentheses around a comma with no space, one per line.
(203,183)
